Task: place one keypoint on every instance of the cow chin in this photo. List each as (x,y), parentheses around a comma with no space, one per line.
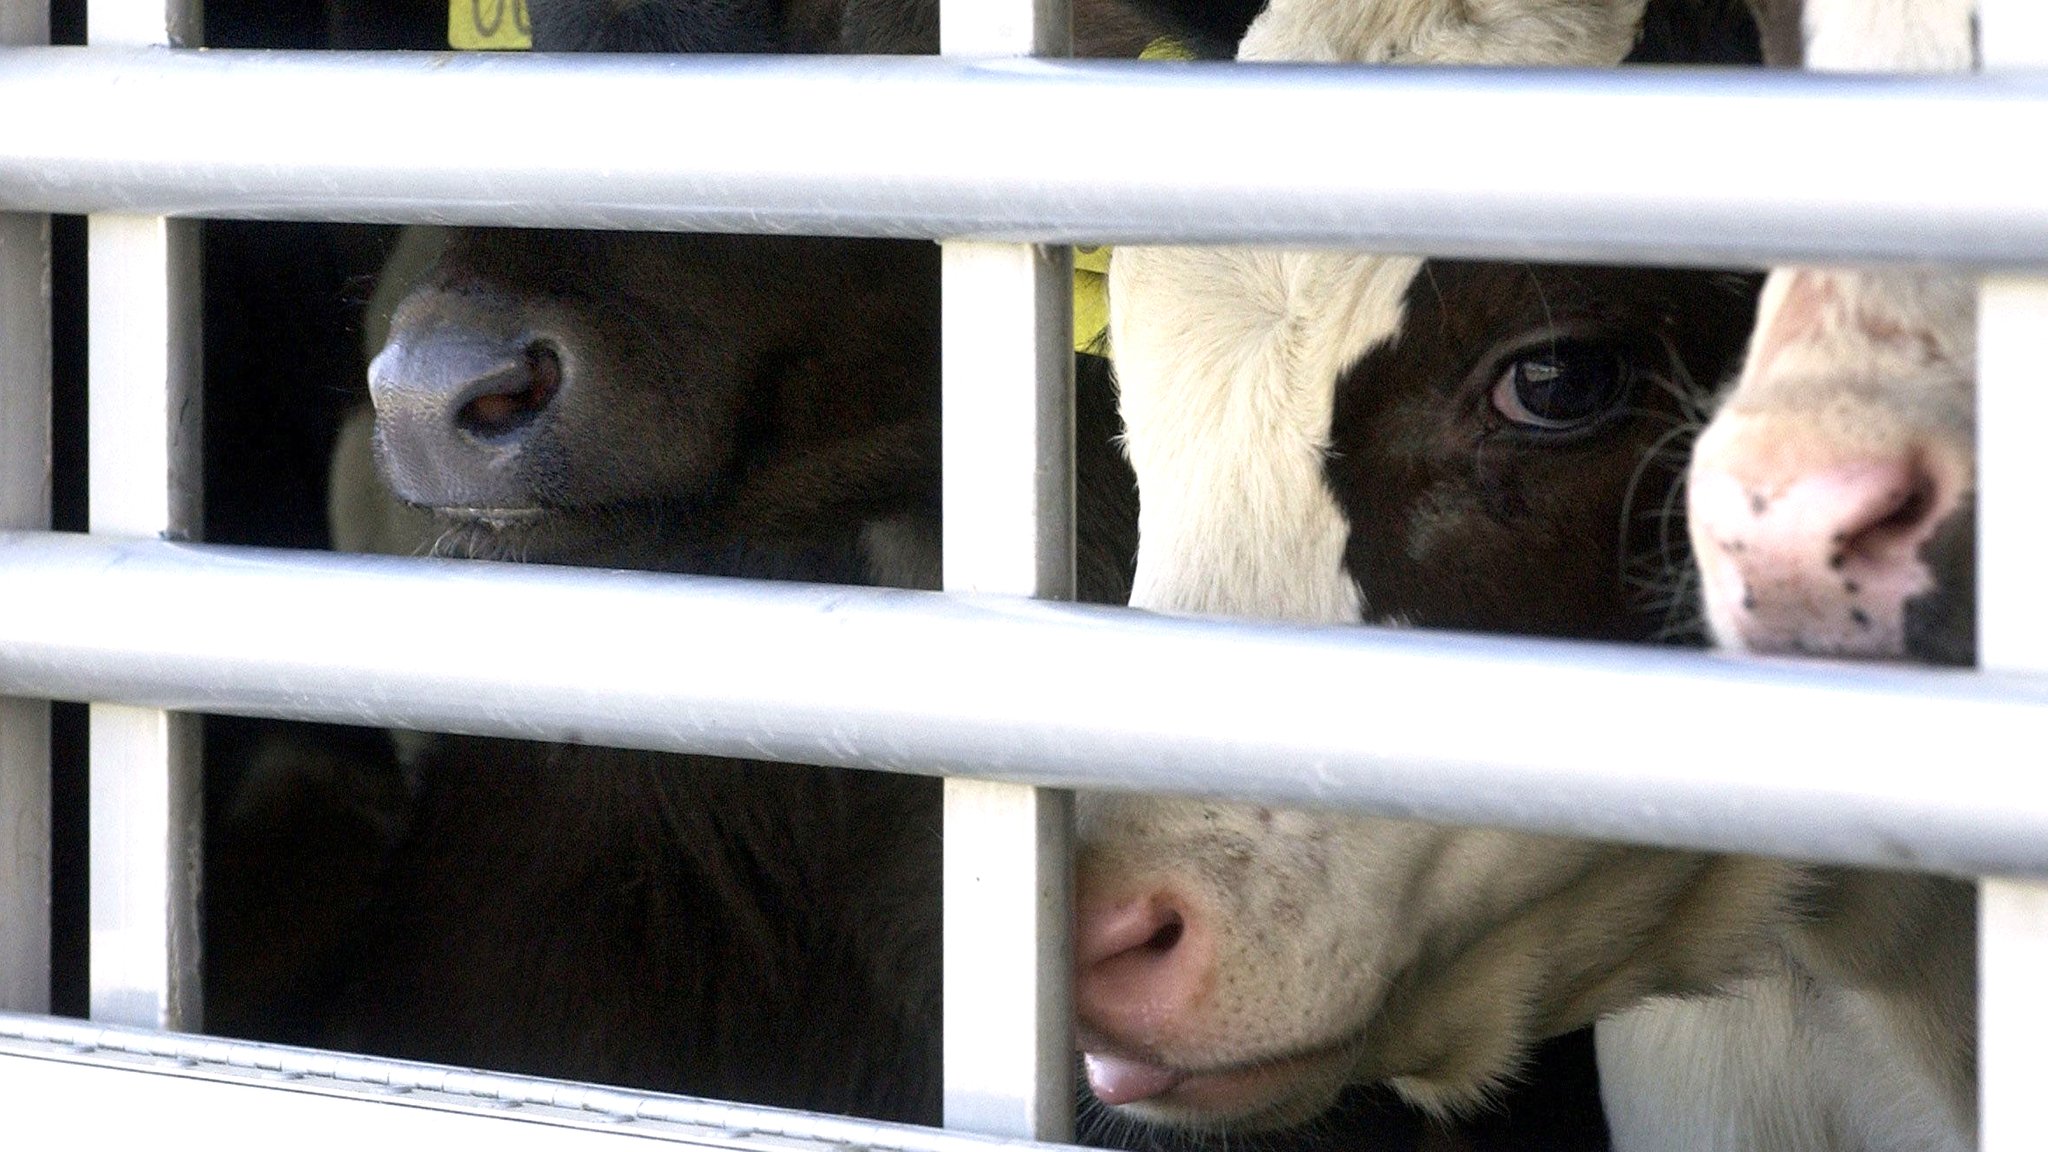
(520,536)
(1259,1097)
(590,537)
(1294,959)
(1432,959)
(652,536)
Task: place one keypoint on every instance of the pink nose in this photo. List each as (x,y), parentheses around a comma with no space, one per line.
(1142,963)
(1818,561)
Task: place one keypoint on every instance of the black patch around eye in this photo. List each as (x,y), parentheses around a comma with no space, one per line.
(1563,385)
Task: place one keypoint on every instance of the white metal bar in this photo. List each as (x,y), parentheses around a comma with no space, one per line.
(24,503)
(1008,1014)
(2012,475)
(142,23)
(2012,937)
(1059,694)
(142,276)
(1009,415)
(2012,34)
(2012,1003)
(1008,399)
(233,1095)
(1229,153)
(145,866)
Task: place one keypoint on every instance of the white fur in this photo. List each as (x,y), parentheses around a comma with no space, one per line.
(1890,35)
(1776,1062)
(1540,32)
(1855,1037)
(1226,362)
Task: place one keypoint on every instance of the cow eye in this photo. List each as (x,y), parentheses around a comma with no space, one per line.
(1565,385)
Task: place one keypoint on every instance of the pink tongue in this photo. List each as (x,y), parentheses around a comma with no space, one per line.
(1119,1081)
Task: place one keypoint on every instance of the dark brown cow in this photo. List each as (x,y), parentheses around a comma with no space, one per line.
(749,406)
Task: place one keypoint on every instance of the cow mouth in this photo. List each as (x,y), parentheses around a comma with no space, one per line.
(1272,1092)
(678,535)
(494,518)
(526,533)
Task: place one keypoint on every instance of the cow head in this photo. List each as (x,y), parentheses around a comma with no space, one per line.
(1833,496)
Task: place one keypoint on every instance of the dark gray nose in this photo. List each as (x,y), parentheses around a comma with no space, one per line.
(461,389)
(1941,623)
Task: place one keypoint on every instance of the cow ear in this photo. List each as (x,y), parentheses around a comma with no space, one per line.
(1209,28)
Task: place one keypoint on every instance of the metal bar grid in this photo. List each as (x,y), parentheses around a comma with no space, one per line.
(24,503)
(2007,233)
(1230,152)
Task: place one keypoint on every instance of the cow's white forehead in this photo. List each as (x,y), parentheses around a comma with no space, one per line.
(1592,33)
(1228,359)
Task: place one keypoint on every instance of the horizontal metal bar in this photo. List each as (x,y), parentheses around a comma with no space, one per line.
(1913,768)
(1659,165)
(54,1073)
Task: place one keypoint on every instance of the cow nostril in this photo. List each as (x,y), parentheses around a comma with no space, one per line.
(1900,517)
(1142,966)
(1914,506)
(524,396)
(1169,934)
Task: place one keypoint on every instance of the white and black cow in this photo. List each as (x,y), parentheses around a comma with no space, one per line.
(1238,965)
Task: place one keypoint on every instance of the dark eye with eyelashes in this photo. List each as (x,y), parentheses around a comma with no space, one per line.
(1564,385)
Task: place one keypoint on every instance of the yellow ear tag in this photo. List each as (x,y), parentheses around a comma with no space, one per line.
(500,25)
(1091,300)
(1167,48)
(1091,264)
